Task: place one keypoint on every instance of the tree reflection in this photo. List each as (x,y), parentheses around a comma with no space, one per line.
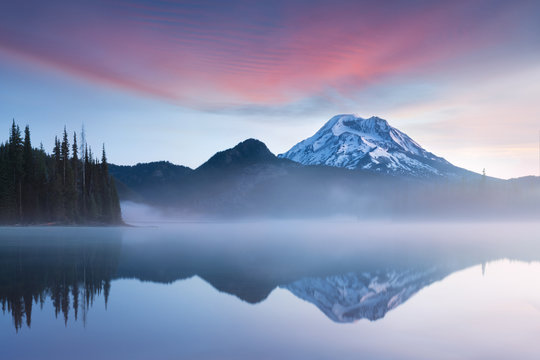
(70,272)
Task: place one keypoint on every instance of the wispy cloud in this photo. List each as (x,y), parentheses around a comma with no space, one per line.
(279,56)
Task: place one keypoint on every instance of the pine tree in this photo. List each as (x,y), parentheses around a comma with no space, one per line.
(106,206)
(41,183)
(84,154)
(65,156)
(16,164)
(29,203)
(75,178)
(5,190)
(36,187)
(56,193)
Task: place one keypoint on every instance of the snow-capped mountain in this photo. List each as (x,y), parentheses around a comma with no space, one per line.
(372,144)
(355,296)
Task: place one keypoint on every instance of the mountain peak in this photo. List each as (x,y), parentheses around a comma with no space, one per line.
(247,152)
(353,124)
(377,120)
(353,142)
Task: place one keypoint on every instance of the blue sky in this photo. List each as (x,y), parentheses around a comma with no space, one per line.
(180,80)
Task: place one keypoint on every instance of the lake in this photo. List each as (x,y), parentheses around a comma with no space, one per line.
(269,290)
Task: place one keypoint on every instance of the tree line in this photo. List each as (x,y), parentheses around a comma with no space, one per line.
(69,186)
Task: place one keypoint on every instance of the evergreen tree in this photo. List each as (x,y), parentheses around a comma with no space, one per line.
(5,189)
(56,193)
(17,171)
(37,187)
(106,206)
(74,181)
(64,156)
(28,199)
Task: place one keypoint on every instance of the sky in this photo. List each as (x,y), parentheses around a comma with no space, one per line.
(180,80)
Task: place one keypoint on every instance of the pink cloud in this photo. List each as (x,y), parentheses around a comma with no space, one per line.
(240,55)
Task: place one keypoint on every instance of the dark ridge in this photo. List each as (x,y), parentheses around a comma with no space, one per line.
(526,180)
(248,152)
(149,182)
(152,173)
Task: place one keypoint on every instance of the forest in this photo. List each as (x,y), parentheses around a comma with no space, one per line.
(70,186)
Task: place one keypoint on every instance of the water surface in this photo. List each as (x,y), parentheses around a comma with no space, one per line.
(272,290)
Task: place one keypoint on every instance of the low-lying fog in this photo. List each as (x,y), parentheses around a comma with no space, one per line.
(480,239)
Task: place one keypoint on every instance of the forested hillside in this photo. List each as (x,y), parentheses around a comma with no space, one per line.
(69,186)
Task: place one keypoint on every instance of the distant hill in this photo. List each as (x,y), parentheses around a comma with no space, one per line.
(143,182)
(526,180)
(248,152)
(249,181)
(244,180)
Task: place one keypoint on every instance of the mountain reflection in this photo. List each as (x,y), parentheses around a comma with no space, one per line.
(347,280)
(354,296)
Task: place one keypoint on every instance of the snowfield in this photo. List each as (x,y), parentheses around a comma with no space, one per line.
(356,143)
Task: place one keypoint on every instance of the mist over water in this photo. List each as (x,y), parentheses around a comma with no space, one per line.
(323,193)
(267,289)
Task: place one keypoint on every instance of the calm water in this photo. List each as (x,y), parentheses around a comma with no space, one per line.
(295,290)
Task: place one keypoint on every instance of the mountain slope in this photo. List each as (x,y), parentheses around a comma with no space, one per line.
(149,180)
(144,174)
(248,152)
(370,144)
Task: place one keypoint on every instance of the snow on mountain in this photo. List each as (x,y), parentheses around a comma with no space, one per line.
(355,296)
(355,143)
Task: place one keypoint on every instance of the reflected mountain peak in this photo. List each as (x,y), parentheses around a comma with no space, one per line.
(367,295)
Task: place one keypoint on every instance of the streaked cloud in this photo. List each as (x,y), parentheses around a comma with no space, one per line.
(243,54)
